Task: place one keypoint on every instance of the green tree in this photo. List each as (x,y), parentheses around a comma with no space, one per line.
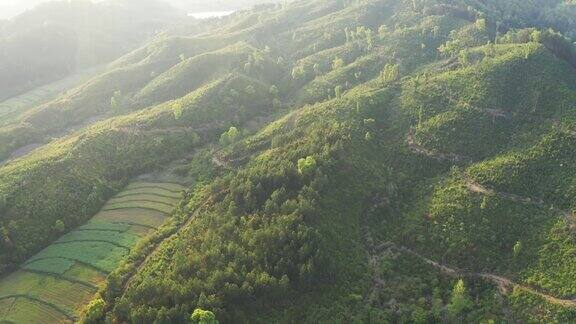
(4,238)
(517,248)
(178,110)
(306,165)
(390,73)
(116,100)
(419,316)
(338,91)
(201,316)
(95,311)
(481,24)
(276,103)
(274,91)
(250,90)
(248,68)
(369,137)
(229,136)
(484,203)
(464,58)
(382,31)
(460,301)
(338,63)
(299,72)
(437,304)
(59,226)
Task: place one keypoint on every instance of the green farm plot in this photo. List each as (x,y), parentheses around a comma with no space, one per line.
(144,197)
(23,310)
(5,305)
(159,192)
(86,274)
(161,207)
(61,293)
(174,187)
(104,226)
(137,216)
(122,239)
(101,255)
(56,266)
(140,230)
(67,269)
(19,282)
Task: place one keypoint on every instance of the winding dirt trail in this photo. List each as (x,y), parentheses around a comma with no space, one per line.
(503,284)
(568,215)
(473,186)
(442,157)
(376,251)
(218,161)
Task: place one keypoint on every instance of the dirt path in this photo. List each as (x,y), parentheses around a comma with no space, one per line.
(442,157)
(503,284)
(478,188)
(170,130)
(568,215)
(219,162)
(375,252)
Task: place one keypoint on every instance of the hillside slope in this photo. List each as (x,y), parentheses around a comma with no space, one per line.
(364,161)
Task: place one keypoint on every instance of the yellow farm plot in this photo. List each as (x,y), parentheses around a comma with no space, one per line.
(52,286)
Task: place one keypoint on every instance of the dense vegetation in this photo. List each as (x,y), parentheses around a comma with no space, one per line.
(353,161)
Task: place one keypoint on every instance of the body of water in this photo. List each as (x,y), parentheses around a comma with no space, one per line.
(210,14)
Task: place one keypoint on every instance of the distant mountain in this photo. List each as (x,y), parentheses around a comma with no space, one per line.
(57,38)
(216,5)
(11,8)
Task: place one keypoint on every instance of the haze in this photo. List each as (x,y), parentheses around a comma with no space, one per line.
(11,8)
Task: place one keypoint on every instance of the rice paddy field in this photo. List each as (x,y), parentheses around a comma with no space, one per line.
(54,285)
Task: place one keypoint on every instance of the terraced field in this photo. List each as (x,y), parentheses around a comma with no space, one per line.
(53,285)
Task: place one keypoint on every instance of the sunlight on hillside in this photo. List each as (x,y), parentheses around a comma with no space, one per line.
(304,161)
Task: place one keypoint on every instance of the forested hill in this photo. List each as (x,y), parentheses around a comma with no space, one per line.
(369,161)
